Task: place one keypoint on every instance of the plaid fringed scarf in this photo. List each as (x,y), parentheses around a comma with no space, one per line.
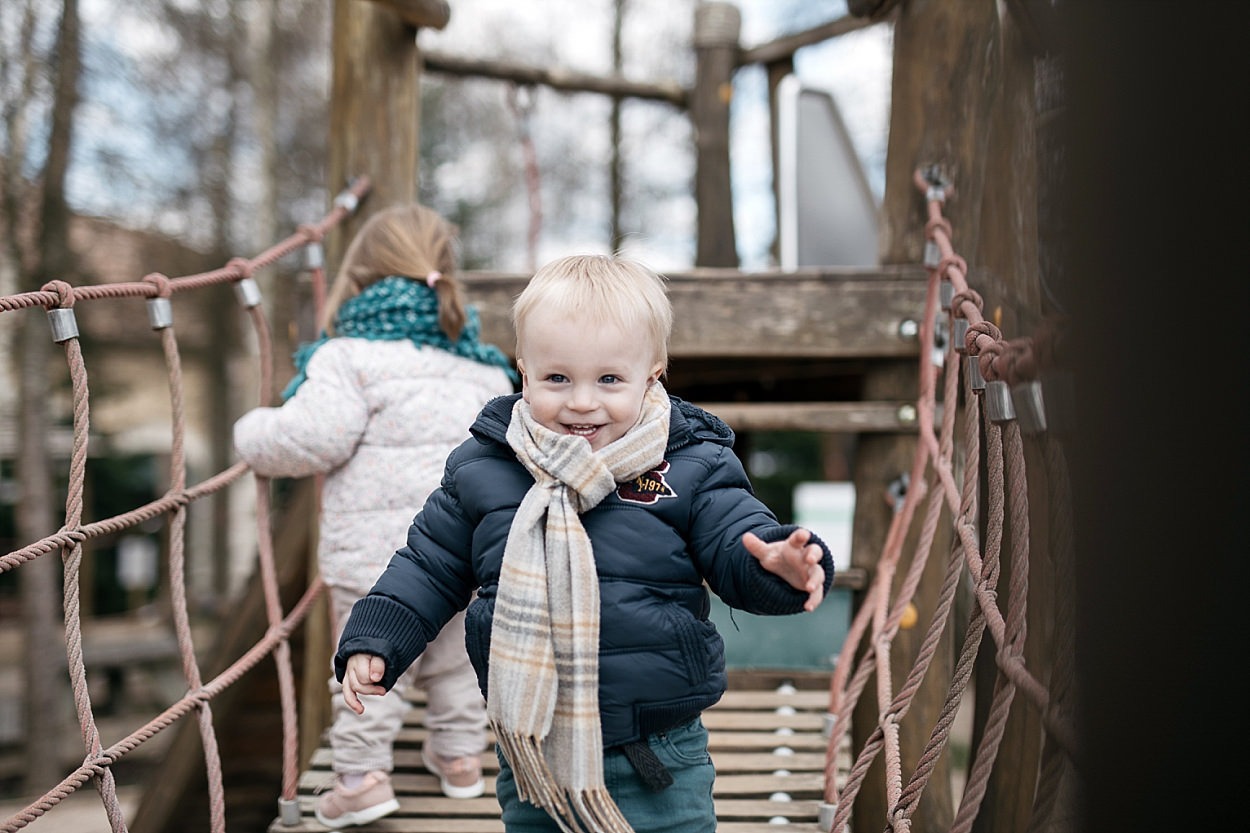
(544,654)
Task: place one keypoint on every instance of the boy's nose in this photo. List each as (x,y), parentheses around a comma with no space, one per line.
(583,398)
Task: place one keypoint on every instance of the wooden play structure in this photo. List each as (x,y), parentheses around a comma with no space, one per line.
(839,352)
(825,350)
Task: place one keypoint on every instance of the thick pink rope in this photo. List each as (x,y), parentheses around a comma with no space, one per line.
(58,295)
(933,476)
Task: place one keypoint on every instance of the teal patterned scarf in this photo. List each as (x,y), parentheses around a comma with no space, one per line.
(398,308)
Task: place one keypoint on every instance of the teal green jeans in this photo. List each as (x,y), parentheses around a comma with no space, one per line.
(683,807)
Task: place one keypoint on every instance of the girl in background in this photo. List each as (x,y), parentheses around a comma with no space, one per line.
(377,404)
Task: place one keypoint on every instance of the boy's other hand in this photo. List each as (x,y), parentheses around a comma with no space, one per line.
(795,560)
(363,674)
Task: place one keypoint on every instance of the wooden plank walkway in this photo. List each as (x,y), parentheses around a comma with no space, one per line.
(767,742)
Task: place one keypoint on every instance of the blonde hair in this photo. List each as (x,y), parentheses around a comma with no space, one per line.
(407,240)
(602,289)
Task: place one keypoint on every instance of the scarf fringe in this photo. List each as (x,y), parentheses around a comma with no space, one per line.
(591,810)
(599,812)
(534,781)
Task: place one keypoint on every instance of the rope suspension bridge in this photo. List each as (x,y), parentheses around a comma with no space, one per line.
(785,756)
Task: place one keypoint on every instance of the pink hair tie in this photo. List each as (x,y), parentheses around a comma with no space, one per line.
(432,279)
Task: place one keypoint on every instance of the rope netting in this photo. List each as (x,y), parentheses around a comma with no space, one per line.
(978,485)
(59,299)
(1011,388)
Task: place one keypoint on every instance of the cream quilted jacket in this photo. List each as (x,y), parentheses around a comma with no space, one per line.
(378,418)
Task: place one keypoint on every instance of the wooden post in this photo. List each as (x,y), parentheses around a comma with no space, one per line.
(716,28)
(374,110)
(963,102)
(777,71)
(952,105)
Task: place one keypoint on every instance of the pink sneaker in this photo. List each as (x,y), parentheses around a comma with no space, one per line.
(458,777)
(373,799)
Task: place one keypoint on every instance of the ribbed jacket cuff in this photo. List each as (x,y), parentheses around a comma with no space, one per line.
(385,628)
(773,593)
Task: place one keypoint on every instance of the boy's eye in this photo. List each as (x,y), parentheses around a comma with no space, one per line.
(609,379)
(557,377)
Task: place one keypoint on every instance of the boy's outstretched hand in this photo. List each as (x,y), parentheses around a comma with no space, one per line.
(363,673)
(794,559)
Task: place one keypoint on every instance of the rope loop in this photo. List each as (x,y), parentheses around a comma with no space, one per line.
(936,223)
(64,293)
(952,260)
(310,232)
(966,296)
(241,266)
(161,282)
(1020,361)
(982,328)
(986,357)
(1012,353)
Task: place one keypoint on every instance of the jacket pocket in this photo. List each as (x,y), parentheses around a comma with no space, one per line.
(694,641)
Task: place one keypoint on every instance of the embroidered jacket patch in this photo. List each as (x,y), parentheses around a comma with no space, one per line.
(648,488)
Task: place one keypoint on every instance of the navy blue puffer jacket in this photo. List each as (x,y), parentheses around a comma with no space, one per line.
(659,544)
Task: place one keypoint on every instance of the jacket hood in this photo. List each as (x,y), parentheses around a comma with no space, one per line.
(687,423)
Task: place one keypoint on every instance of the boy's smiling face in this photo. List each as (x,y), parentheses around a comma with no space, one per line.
(585,378)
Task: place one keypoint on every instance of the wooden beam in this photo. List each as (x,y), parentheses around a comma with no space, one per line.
(852,578)
(431,14)
(564,80)
(813,312)
(783,49)
(831,417)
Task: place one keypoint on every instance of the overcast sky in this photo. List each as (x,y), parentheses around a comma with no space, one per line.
(855,69)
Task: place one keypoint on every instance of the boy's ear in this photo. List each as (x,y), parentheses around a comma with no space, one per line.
(656,373)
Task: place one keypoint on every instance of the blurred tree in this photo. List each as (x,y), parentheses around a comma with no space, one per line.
(238,95)
(39,74)
(464,172)
(472,162)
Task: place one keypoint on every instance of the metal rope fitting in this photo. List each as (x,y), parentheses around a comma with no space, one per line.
(248,293)
(64,324)
(160,313)
(998,405)
(972,367)
(314,256)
